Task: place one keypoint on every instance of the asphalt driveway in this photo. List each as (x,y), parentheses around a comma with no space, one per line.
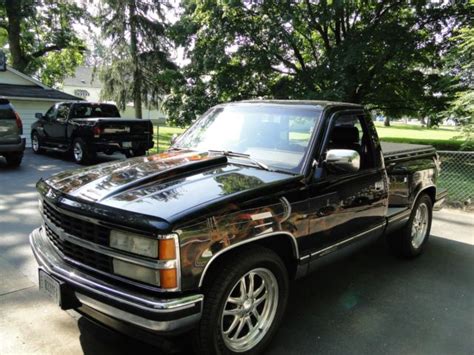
(370,302)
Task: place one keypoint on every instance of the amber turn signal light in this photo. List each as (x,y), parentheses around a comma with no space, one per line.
(168,278)
(167,249)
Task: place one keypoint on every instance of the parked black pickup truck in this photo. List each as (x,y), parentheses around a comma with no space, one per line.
(207,235)
(85,128)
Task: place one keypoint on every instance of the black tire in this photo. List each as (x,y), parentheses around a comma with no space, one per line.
(36,148)
(135,153)
(81,153)
(208,337)
(14,159)
(406,242)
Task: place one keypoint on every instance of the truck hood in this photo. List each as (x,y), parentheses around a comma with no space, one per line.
(168,185)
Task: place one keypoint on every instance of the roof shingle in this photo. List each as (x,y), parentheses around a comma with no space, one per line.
(28,91)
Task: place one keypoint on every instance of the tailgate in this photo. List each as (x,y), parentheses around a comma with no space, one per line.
(126,129)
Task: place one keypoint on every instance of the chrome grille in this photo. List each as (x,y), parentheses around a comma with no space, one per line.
(79,254)
(77,227)
(81,229)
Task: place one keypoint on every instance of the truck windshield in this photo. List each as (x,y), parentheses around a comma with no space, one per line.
(273,134)
(88,110)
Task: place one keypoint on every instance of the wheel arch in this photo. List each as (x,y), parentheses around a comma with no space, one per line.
(282,243)
(430,190)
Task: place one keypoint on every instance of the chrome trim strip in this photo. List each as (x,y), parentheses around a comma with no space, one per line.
(51,262)
(136,283)
(258,237)
(336,246)
(263,225)
(400,216)
(137,320)
(158,264)
(177,262)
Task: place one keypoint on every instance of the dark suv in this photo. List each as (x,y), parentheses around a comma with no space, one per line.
(12,142)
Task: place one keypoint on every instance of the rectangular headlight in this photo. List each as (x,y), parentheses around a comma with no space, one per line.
(134,243)
(136,272)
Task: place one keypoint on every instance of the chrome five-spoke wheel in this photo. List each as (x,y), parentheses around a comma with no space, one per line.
(245,298)
(411,239)
(420,225)
(249,310)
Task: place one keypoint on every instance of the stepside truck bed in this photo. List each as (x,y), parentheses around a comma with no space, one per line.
(404,151)
(409,166)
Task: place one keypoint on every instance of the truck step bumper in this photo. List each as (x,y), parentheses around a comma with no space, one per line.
(152,313)
(441,196)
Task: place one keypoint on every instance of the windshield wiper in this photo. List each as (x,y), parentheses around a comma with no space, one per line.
(229,153)
(177,148)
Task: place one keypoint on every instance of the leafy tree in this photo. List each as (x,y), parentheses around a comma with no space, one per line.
(137,68)
(460,62)
(40,36)
(383,54)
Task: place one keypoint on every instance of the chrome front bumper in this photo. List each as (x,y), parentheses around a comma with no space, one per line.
(152,313)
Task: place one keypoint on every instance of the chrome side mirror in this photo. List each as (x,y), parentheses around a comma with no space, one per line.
(343,160)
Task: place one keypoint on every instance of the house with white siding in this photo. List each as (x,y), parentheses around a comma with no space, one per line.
(29,96)
(85,84)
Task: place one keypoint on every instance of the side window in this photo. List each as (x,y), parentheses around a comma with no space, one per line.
(63,112)
(51,113)
(299,132)
(351,132)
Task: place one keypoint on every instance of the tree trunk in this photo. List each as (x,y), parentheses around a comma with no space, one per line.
(386,121)
(137,82)
(13,8)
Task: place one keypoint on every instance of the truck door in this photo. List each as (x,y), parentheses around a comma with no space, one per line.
(47,122)
(56,125)
(345,206)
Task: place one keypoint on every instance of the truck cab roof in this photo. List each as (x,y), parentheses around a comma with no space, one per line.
(320,103)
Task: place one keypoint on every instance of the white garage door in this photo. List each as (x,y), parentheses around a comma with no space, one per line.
(27,109)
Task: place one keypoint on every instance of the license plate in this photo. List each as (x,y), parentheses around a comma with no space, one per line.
(127,144)
(50,286)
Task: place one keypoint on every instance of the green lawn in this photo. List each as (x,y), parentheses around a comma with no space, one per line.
(441,138)
(165,134)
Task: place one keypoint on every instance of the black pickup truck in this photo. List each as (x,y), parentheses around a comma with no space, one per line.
(206,236)
(85,128)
